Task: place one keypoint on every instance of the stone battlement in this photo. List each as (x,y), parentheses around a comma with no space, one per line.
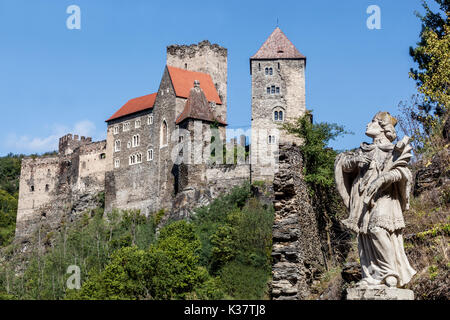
(189,50)
(70,142)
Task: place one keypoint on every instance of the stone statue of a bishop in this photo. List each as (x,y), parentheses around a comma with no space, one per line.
(375,182)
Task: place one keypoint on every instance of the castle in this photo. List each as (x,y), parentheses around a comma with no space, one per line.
(154,154)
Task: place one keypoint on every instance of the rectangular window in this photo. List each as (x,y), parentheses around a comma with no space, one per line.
(268,90)
(278,90)
(116,163)
(150,155)
(273,89)
(271,139)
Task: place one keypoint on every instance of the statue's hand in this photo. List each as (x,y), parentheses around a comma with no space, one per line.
(362,160)
(372,190)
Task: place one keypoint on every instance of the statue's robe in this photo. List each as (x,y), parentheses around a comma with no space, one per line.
(378,222)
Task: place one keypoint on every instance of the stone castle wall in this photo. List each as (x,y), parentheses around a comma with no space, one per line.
(50,187)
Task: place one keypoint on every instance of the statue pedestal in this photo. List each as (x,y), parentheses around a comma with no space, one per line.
(380,292)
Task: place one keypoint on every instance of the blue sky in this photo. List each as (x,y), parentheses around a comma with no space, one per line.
(54,80)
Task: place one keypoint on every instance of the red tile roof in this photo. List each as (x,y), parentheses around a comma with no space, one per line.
(278,46)
(183,80)
(197,107)
(135,105)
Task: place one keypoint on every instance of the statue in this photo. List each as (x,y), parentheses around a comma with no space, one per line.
(375,184)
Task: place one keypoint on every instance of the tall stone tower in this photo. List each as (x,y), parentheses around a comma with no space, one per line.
(278,95)
(207,58)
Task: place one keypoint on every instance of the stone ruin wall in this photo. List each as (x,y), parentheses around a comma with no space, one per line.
(62,185)
(37,173)
(296,251)
(216,180)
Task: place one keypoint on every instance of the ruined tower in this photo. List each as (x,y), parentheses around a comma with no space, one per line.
(206,58)
(278,95)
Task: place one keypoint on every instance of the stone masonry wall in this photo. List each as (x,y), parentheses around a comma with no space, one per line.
(204,57)
(296,251)
(289,76)
(55,188)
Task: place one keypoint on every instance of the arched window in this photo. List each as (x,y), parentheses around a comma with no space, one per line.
(259,66)
(136,140)
(268,90)
(164,133)
(271,139)
(132,159)
(150,119)
(117,146)
(47,187)
(278,114)
(270,71)
(267,71)
(138,158)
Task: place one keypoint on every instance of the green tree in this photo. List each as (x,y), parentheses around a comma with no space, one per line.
(8,210)
(431,56)
(318,157)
